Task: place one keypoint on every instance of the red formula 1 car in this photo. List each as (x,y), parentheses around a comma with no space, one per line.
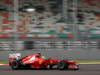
(37,61)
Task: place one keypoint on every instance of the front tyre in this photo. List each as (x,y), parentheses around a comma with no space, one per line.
(62,65)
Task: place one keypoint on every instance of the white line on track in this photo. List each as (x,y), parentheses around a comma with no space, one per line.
(4,64)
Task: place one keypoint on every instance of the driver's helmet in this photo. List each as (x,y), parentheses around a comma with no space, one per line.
(39,53)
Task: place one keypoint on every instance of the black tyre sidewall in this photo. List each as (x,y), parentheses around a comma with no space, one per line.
(15,65)
(62,65)
(49,66)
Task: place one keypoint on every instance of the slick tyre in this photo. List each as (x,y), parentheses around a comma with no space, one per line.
(15,65)
(62,65)
(49,67)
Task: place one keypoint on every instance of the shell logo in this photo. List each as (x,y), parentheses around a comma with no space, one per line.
(40,62)
(51,62)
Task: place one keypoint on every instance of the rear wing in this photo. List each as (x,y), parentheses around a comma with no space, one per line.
(14,55)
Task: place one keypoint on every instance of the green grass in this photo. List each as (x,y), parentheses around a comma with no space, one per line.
(87,61)
(3,62)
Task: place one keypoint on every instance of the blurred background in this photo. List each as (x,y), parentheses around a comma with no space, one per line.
(56,28)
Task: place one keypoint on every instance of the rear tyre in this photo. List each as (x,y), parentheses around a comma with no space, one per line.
(49,67)
(62,65)
(15,65)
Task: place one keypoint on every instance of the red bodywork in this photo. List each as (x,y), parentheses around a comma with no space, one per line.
(38,61)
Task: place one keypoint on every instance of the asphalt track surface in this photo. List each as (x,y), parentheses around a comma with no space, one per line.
(85,69)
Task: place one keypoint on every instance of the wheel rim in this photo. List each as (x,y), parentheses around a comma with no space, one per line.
(14,65)
(62,65)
